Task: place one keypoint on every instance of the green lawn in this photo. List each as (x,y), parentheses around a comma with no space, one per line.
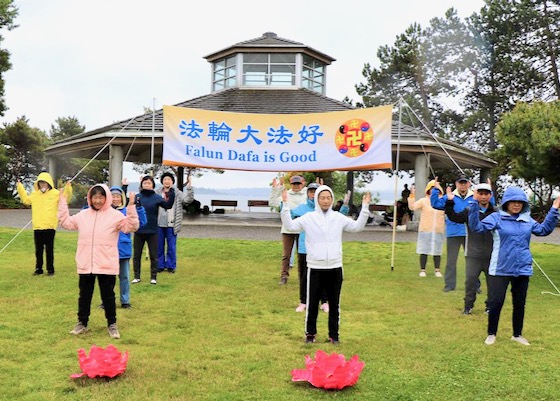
(223,329)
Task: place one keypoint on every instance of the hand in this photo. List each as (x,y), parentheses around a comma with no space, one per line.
(449,193)
(189,181)
(366,199)
(137,200)
(124,181)
(131,197)
(347,198)
(489,182)
(437,185)
(278,182)
(284,196)
(556,202)
(412,191)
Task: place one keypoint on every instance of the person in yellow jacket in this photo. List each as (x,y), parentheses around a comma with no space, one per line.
(431,229)
(44,208)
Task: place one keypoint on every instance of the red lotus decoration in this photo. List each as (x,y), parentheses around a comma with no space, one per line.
(330,372)
(101,362)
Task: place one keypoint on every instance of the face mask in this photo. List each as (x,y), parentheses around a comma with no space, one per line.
(43,190)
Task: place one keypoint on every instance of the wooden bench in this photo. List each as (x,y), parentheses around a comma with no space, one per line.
(379,208)
(223,203)
(257,203)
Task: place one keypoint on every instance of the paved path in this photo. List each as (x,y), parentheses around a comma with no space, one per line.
(251,226)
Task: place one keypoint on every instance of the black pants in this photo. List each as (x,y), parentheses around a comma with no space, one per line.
(302,270)
(44,239)
(107,289)
(475,266)
(453,246)
(139,240)
(319,281)
(497,288)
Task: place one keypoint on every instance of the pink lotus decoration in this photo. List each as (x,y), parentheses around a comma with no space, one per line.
(329,371)
(101,362)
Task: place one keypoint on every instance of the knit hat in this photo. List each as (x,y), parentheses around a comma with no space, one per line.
(167,174)
(147,177)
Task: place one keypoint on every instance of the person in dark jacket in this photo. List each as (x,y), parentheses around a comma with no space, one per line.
(149,233)
(479,245)
(511,260)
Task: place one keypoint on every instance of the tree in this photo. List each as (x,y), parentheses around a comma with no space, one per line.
(529,149)
(8,13)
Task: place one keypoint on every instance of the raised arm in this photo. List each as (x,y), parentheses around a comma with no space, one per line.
(65,220)
(360,222)
(285,215)
(130,223)
(549,223)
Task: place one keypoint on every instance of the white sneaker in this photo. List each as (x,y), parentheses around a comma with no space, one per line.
(438,274)
(422,273)
(520,340)
(491,339)
(325,307)
(136,280)
(153,281)
(301,308)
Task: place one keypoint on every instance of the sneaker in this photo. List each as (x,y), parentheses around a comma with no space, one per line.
(172,271)
(467,311)
(422,273)
(79,329)
(325,307)
(37,272)
(310,338)
(520,340)
(438,274)
(283,281)
(153,281)
(334,341)
(113,331)
(491,339)
(126,306)
(301,308)
(136,280)
(487,311)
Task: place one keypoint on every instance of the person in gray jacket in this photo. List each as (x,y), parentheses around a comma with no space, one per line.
(170,222)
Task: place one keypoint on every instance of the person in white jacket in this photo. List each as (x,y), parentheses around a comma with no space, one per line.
(323,241)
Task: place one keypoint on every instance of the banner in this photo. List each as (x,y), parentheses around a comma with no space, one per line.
(343,140)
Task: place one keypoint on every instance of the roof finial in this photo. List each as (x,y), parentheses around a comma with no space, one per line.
(269,35)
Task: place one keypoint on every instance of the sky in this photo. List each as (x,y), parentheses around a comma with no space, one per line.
(105,61)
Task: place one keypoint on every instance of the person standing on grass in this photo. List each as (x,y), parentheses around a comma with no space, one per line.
(456,232)
(511,262)
(430,229)
(97,255)
(295,196)
(149,234)
(323,241)
(170,221)
(44,204)
(479,245)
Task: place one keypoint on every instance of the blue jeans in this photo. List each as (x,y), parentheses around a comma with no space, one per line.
(124,268)
(167,259)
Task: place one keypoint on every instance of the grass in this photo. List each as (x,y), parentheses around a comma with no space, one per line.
(222,329)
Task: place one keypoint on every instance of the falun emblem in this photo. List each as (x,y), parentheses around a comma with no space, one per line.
(354,138)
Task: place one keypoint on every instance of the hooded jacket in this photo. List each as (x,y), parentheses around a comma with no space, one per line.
(511,255)
(98,233)
(125,240)
(323,231)
(44,205)
(452,229)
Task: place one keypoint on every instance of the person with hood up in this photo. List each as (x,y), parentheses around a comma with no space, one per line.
(295,196)
(119,202)
(511,261)
(170,221)
(430,229)
(97,254)
(44,205)
(323,241)
(149,233)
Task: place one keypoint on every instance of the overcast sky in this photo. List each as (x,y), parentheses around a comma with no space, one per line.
(104,61)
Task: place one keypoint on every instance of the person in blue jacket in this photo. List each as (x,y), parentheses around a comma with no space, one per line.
(149,233)
(455,232)
(125,244)
(511,260)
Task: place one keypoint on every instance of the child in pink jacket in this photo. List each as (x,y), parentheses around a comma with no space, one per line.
(97,254)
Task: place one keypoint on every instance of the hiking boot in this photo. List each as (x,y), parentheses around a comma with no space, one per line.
(491,339)
(113,331)
(79,329)
(520,340)
(310,338)
(467,311)
(153,281)
(438,274)
(283,281)
(301,308)
(126,306)
(325,307)
(136,280)
(422,273)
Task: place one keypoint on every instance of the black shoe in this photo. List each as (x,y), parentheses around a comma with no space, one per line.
(479,291)
(487,311)
(467,311)
(160,270)
(310,338)
(50,274)
(283,281)
(172,271)
(334,341)
(37,272)
(126,306)
(101,306)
